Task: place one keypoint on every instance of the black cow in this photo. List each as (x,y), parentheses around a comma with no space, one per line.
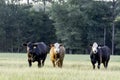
(100,55)
(36,52)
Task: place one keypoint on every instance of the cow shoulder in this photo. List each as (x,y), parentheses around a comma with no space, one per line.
(42,47)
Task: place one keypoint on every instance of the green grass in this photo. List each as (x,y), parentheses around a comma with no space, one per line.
(76,67)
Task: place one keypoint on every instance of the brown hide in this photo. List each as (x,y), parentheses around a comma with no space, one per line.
(57,58)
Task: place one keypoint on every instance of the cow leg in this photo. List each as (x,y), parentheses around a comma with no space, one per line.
(106,63)
(98,65)
(93,65)
(61,63)
(58,62)
(44,60)
(30,63)
(39,63)
(53,62)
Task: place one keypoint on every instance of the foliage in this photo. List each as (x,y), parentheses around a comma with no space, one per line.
(18,24)
(99,15)
(117,36)
(80,20)
(68,23)
(74,23)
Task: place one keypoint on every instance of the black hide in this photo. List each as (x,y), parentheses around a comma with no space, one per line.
(36,52)
(102,56)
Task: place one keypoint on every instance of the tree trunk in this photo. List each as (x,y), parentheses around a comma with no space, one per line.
(44,5)
(104,35)
(28,2)
(113,35)
(113,25)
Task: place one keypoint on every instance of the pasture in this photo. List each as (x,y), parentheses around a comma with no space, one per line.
(75,67)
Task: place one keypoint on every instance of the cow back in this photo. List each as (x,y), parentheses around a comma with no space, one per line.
(41,48)
(105,52)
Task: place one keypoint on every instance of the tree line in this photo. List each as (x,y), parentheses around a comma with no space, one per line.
(74,23)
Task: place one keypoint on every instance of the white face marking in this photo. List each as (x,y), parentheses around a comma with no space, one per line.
(28,49)
(94,48)
(57,47)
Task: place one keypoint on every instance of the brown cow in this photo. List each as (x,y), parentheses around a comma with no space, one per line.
(57,53)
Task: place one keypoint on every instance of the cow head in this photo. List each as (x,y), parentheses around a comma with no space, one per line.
(95,48)
(57,47)
(30,47)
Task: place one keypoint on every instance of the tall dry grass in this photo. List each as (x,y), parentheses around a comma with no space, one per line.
(76,67)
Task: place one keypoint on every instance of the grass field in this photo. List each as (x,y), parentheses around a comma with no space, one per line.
(76,67)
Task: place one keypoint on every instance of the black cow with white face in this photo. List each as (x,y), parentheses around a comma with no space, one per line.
(99,54)
(36,52)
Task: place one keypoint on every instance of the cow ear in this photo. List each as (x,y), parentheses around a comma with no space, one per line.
(90,45)
(24,44)
(51,45)
(35,45)
(61,44)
